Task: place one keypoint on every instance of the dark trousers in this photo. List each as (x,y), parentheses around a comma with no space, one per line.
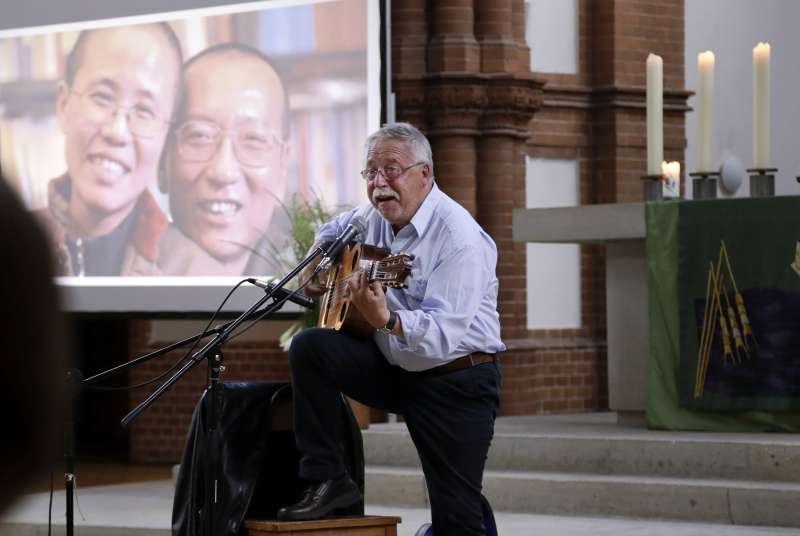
(450,418)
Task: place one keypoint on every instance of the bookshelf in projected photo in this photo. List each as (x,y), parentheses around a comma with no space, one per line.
(323,66)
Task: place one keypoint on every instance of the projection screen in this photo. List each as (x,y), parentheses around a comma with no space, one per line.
(161,185)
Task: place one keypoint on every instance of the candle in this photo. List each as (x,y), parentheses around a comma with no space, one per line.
(671,171)
(761,142)
(655,114)
(705,109)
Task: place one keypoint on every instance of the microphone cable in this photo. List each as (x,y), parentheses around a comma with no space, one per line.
(183,359)
(274,306)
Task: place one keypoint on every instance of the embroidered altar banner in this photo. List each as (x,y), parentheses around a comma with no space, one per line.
(724,309)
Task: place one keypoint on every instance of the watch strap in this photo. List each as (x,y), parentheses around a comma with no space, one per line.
(389,323)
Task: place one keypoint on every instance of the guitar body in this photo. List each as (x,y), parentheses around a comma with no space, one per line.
(336,311)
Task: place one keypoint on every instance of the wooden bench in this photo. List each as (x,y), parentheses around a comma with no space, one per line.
(341,526)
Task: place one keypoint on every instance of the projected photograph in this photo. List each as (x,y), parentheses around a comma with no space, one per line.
(185,144)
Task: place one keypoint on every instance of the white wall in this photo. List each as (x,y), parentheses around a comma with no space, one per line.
(553,270)
(731,28)
(551,31)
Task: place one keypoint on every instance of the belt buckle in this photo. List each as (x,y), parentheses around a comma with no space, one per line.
(471,360)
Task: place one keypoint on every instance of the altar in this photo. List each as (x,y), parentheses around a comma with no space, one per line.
(683,352)
(621,227)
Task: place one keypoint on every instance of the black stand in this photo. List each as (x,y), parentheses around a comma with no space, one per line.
(212,351)
(73,383)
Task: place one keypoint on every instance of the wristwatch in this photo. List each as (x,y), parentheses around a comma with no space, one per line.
(387,329)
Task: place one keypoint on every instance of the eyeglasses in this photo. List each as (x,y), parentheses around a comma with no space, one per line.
(391,172)
(253,145)
(101,105)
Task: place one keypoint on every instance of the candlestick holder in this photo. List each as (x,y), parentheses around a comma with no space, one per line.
(704,184)
(653,187)
(762,182)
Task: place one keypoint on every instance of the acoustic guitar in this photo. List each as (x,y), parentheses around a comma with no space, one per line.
(390,270)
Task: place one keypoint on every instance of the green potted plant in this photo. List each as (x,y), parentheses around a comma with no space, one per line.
(304,218)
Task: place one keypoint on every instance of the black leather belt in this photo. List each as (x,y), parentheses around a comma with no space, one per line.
(467,361)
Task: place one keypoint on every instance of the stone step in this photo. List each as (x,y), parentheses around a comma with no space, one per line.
(735,502)
(664,454)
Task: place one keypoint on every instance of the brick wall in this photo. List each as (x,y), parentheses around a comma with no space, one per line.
(461,73)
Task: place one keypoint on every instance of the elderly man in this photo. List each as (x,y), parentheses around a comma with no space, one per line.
(225,166)
(114,107)
(432,356)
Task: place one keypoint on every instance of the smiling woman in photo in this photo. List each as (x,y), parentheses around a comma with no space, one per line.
(114,107)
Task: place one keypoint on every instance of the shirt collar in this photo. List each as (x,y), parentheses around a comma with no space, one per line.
(425,211)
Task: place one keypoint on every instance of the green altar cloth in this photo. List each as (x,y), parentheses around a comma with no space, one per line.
(758,387)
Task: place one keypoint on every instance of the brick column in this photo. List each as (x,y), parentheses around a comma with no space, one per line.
(518,30)
(453,97)
(409,59)
(453,105)
(409,37)
(452,47)
(493,29)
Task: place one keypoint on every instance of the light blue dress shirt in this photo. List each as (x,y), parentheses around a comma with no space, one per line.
(450,306)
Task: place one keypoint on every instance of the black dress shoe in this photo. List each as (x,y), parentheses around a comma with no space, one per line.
(320,500)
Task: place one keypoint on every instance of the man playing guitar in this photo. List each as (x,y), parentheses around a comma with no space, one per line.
(432,354)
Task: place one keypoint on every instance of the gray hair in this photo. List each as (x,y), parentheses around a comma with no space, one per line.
(405,132)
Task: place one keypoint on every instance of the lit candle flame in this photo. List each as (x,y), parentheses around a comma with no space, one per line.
(671,177)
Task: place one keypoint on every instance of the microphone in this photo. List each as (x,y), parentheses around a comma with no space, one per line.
(356,226)
(297,298)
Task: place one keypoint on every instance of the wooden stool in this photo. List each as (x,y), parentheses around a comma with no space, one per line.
(342,526)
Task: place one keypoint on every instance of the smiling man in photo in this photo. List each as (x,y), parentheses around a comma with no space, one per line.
(225,166)
(114,107)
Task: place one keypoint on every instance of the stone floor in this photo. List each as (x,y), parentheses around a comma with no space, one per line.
(119,499)
(144,508)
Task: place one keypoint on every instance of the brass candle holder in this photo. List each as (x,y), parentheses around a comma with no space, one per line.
(762,182)
(704,184)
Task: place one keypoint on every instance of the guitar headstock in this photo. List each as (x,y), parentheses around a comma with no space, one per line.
(392,271)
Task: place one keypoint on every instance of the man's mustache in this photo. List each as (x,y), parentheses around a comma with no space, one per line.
(384,192)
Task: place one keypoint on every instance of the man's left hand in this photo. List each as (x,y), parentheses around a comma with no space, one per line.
(369,299)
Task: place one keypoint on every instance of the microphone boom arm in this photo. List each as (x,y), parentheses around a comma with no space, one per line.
(218,339)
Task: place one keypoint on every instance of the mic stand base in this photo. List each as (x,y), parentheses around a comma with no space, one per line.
(73,382)
(214,404)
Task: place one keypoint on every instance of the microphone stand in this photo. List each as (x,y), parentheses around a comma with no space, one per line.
(211,351)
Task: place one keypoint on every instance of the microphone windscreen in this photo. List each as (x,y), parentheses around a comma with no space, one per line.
(359,223)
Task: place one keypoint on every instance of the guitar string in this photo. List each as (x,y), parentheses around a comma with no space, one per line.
(338,293)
